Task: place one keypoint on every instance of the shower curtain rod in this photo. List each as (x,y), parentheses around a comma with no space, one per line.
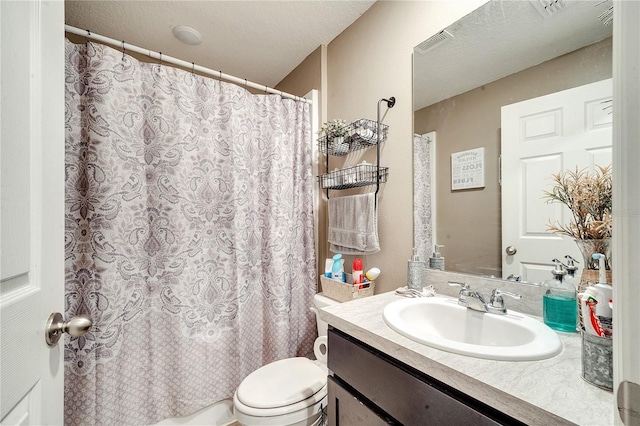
(184,64)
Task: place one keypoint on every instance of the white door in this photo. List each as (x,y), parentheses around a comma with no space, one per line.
(541,137)
(31,208)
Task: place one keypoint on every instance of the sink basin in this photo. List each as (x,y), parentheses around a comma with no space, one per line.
(443,324)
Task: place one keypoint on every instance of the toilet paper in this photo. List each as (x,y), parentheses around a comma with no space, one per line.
(320,349)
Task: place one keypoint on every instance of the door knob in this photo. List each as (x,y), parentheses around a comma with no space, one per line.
(511,250)
(56,325)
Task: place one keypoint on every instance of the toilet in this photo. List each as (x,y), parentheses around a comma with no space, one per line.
(288,392)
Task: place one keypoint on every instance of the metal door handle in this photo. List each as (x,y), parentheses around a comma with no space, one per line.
(511,250)
(56,325)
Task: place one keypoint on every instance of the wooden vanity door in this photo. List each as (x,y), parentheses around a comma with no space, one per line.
(344,409)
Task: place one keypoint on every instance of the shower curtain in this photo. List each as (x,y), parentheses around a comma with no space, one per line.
(189,236)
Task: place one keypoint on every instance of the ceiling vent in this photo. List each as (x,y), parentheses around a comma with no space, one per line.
(547,8)
(434,41)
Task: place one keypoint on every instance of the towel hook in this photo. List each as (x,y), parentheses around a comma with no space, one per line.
(390,104)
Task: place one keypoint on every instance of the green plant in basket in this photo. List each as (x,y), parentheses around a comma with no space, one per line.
(334,128)
(334,135)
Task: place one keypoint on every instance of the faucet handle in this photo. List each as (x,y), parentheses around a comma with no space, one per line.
(465,291)
(496,302)
(464,286)
(497,293)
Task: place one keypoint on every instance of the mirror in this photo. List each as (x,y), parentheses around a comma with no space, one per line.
(503,53)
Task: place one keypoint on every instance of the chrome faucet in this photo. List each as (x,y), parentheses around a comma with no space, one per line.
(472,299)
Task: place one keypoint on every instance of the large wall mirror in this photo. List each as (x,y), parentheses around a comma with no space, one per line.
(504,53)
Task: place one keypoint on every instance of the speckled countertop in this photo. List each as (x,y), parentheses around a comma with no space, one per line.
(546,392)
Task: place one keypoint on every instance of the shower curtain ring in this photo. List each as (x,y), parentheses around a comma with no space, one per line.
(193,68)
(160,63)
(123,50)
(265,89)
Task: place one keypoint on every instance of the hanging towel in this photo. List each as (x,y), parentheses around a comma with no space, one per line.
(353,224)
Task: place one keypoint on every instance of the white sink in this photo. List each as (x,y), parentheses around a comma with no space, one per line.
(443,324)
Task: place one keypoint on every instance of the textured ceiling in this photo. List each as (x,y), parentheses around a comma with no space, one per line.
(499,39)
(261,41)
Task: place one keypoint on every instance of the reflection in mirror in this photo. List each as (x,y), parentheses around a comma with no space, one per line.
(504,53)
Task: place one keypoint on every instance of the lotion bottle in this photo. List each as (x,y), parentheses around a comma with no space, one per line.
(603,310)
(414,272)
(337,270)
(559,301)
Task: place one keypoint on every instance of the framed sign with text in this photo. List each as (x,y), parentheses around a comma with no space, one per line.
(467,169)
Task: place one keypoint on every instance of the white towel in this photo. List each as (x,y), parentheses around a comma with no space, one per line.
(353,224)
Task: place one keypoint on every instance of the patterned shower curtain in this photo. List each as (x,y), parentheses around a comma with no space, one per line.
(189,237)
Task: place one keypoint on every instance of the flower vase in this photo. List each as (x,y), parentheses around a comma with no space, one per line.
(591,266)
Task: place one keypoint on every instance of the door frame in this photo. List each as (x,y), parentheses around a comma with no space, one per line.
(626,196)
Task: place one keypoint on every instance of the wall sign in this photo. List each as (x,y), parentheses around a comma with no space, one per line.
(467,169)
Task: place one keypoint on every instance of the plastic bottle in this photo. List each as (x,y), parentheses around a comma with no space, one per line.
(436,261)
(591,297)
(559,301)
(356,271)
(603,309)
(414,272)
(372,274)
(337,270)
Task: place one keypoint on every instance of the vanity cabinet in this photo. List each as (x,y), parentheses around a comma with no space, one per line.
(368,387)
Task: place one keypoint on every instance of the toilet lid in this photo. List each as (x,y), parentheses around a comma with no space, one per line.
(281,383)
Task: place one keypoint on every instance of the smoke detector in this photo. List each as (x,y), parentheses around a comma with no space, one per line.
(187,35)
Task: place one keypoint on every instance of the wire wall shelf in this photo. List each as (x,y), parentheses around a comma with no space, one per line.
(353,177)
(360,134)
(341,140)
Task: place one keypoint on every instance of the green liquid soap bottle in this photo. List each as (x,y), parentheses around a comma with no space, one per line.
(559,301)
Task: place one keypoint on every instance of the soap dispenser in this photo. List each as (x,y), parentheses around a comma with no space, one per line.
(414,272)
(436,261)
(571,268)
(559,301)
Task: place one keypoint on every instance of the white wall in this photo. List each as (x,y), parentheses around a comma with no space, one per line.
(370,60)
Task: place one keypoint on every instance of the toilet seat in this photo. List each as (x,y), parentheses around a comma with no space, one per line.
(282,383)
(304,407)
(289,391)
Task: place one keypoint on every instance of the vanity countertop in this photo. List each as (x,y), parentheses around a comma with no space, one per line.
(546,392)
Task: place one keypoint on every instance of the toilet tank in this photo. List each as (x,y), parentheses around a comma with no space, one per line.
(320,301)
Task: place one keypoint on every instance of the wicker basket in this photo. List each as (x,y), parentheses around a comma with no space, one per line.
(343,292)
